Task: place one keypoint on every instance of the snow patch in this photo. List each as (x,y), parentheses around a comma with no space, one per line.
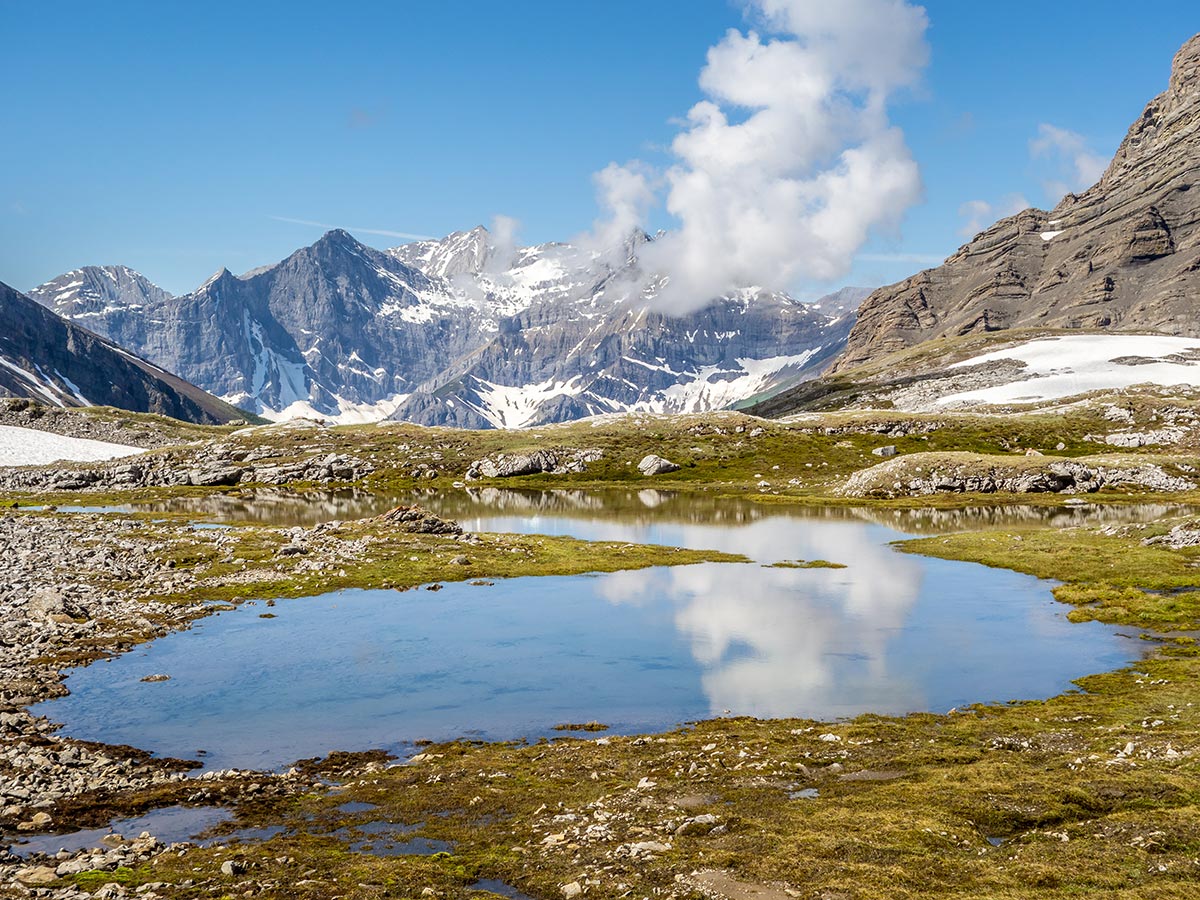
(349,413)
(506,406)
(29,447)
(1075,364)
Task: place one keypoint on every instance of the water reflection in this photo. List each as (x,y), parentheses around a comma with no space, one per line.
(782,640)
(641,650)
(628,506)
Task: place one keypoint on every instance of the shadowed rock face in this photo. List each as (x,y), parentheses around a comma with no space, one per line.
(1124,255)
(48,359)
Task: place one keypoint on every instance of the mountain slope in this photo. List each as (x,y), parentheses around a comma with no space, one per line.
(460,332)
(46,358)
(1123,255)
(580,337)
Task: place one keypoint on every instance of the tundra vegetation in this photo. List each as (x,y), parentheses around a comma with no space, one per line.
(1090,792)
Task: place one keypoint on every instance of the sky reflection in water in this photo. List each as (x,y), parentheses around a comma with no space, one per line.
(640,650)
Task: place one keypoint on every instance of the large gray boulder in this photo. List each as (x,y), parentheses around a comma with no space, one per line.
(656,465)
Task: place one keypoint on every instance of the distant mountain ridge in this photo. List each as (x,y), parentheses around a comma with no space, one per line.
(454,331)
(46,358)
(1123,255)
(90,291)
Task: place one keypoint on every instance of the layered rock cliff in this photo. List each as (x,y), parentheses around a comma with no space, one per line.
(1122,256)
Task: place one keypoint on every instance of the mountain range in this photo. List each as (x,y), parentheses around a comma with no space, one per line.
(471,332)
(456,332)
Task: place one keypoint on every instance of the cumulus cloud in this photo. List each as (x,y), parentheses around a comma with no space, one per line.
(790,162)
(1078,166)
(979,214)
(625,194)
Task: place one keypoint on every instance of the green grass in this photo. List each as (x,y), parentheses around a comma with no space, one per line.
(1110,576)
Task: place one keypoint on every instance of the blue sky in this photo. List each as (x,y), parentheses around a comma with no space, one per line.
(175,137)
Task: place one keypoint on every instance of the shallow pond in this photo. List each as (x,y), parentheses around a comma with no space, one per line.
(169,824)
(643,650)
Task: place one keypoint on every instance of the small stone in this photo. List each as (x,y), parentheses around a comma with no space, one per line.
(232,867)
(885,452)
(571,890)
(460,561)
(158,676)
(41,820)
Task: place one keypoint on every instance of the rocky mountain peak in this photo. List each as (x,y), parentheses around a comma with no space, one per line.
(1170,120)
(93,290)
(458,253)
(1185,69)
(1122,255)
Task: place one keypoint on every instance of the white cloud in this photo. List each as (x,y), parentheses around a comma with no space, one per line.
(1078,166)
(625,194)
(503,239)
(980,214)
(782,173)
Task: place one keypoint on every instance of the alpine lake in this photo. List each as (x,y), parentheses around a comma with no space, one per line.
(827,620)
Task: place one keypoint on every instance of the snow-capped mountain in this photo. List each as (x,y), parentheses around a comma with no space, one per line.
(458,331)
(45,358)
(577,335)
(95,290)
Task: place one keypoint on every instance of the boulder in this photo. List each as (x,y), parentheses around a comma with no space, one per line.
(656,465)
(417,520)
(34,876)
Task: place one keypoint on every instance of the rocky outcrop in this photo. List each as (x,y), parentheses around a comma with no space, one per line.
(48,359)
(214,465)
(922,474)
(557,461)
(418,520)
(1123,255)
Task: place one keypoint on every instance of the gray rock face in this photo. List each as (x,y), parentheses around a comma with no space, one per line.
(335,323)
(580,337)
(1124,255)
(557,461)
(48,359)
(897,478)
(458,332)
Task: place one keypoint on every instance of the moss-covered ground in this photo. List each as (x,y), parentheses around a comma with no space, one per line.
(1092,793)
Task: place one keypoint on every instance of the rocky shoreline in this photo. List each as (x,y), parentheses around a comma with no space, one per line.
(73,591)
